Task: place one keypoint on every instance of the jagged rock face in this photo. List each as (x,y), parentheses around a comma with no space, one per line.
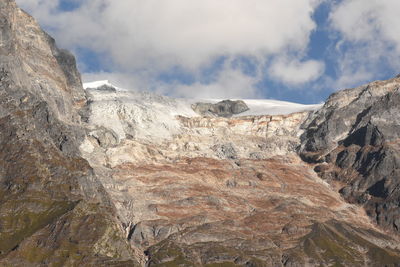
(113,178)
(33,62)
(354,139)
(225,108)
(53,210)
(213,191)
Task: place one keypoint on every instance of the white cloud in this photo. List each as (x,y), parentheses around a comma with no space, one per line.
(370,39)
(295,72)
(360,20)
(228,83)
(155,35)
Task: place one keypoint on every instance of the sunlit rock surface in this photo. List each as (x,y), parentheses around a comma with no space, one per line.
(53,209)
(112,177)
(203,190)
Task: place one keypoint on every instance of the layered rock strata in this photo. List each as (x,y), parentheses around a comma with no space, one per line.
(105,177)
(213,191)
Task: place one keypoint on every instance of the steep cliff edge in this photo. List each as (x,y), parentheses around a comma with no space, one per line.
(354,140)
(53,211)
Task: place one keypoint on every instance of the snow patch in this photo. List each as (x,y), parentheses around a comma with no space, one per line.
(97,84)
(259,107)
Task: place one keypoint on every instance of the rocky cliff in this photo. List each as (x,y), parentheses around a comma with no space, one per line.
(214,191)
(354,140)
(53,210)
(110,177)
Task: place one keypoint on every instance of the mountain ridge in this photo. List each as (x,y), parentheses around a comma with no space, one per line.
(116,178)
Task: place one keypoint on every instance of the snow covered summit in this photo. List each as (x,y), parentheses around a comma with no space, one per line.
(180,106)
(127,123)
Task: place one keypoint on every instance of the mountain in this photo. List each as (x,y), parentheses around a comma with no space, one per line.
(53,209)
(95,175)
(354,142)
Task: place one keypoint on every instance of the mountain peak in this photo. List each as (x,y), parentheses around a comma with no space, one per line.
(113,177)
(34,62)
(96,84)
(48,193)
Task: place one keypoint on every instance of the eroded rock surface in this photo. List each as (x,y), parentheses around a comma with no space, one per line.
(53,210)
(105,177)
(215,191)
(354,140)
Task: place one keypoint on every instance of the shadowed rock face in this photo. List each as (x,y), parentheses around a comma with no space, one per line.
(78,190)
(354,140)
(226,108)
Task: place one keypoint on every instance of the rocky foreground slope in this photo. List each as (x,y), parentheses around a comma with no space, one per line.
(108,177)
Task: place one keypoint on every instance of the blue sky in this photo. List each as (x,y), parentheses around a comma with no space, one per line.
(68,5)
(292,50)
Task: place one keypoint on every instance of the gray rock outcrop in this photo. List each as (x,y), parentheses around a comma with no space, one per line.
(225,108)
(353,140)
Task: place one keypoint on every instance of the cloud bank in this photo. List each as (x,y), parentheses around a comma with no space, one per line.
(195,48)
(153,36)
(369,39)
